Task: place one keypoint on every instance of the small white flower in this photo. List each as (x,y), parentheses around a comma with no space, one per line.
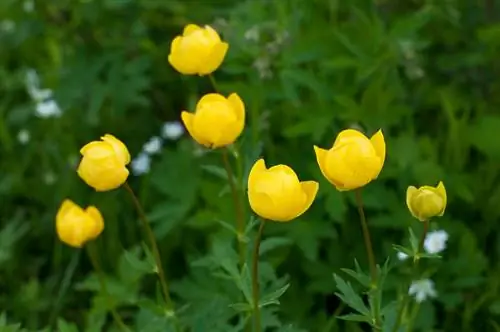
(23,136)
(402,256)
(7,26)
(422,289)
(263,66)
(47,109)
(435,241)
(172,130)
(252,34)
(49,178)
(28,6)
(141,164)
(153,146)
(39,95)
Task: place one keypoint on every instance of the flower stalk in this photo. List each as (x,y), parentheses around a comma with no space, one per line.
(153,245)
(366,236)
(92,253)
(407,297)
(240,221)
(255,278)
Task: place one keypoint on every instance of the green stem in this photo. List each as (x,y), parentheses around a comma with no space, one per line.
(100,274)
(255,278)
(240,222)
(366,235)
(153,244)
(413,315)
(407,297)
(214,84)
(374,292)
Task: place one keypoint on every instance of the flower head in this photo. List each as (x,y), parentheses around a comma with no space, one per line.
(218,121)
(198,51)
(277,194)
(426,202)
(435,241)
(103,165)
(76,226)
(353,161)
(422,289)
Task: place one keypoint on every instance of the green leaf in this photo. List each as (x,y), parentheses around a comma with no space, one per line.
(63,326)
(355,318)
(414,242)
(402,249)
(216,171)
(272,298)
(271,243)
(141,265)
(349,296)
(241,307)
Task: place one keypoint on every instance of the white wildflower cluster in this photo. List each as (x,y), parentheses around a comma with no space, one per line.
(434,243)
(263,63)
(46,106)
(422,289)
(413,70)
(141,164)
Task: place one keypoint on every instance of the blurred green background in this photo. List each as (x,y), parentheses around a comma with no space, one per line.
(425,71)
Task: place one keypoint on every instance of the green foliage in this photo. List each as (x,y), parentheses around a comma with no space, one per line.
(424,71)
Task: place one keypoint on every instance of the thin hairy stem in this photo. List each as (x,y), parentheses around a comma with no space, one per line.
(255,278)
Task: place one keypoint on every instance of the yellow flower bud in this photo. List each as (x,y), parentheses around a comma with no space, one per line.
(103,165)
(198,51)
(426,202)
(277,194)
(76,226)
(353,161)
(218,121)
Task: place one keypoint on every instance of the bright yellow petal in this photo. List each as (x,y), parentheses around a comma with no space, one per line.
(410,193)
(310,188)
(262,205)
(119,147)
(321,155)
(257,168)
(190,28)
(212,33)
(96,149)
(378,143)
(174,46)
(98,226)
(348,134)
(66,205)
(215,59)
(238,106)
(188,119)
(210,98)
(441,191)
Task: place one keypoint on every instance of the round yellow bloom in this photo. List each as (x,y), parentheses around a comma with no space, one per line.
(103,165)
(217,121)
(353,161)
(277,194)
(198,51)
(76,226)
(426,202)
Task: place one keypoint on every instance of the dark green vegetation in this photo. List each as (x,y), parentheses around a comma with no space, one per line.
(426,72)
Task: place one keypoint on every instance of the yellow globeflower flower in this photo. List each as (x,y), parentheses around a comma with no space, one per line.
(103,165)
(198,51)
(426,202)
(353,161)
(218,121)
(277,194)
(76,226)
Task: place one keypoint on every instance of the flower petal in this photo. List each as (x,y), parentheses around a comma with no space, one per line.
(96,216)
(212,33)
(378,143)
(410,193)
(66,205)
(257,168)
(211,98)
(189,29)
(348,134)
(321,155)
(310,188)
(238,106)
(441,191)
(188,119)
(214,60)
(174,45)
(118,147)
